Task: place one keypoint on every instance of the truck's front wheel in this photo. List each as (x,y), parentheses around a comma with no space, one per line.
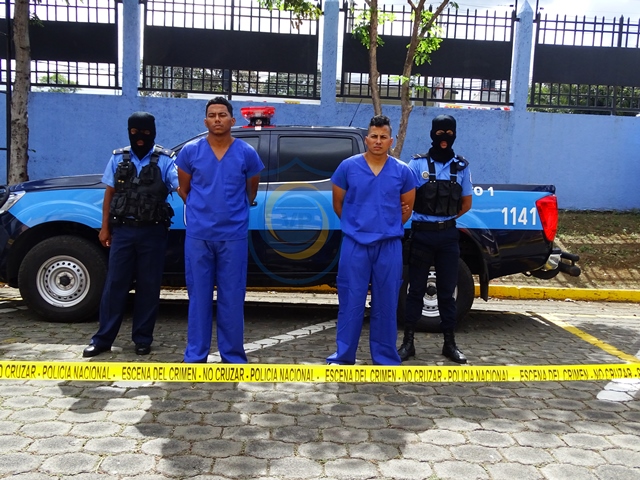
(430,319)
(61,278)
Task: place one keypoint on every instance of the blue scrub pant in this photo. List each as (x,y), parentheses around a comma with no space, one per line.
(382,265)
(440,248)
(207,264)
(136,252)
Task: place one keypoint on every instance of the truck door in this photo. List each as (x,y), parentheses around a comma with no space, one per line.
(302,233)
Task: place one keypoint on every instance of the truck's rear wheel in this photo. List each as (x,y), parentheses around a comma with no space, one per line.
(61,278)
(430,319)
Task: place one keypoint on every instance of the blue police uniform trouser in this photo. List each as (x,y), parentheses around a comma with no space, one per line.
(136,252)
(207,264)
(382,265)
(440,248)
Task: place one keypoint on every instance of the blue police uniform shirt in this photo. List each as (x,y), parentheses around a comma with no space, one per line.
(217,205)
(371,211)
(165,163)
(420,168)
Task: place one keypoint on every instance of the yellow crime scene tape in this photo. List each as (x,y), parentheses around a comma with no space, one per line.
(225,373)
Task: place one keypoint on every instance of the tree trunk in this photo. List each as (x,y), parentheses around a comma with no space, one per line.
(405,88)
(20,95)
(374,75)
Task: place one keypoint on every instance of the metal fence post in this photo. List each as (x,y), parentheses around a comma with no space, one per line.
(131,47)
(522,44)
(329,63)
(616,88)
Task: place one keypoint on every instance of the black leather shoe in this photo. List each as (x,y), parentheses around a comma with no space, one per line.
(451,350)
(453,353)
(143,349)
(407,349)
(93,350)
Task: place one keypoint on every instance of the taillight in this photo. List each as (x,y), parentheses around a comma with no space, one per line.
(548,213)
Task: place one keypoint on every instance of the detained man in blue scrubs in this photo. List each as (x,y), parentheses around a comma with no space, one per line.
(218,177)
(368,192)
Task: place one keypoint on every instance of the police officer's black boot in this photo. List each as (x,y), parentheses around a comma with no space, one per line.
(407,348)
(450,349)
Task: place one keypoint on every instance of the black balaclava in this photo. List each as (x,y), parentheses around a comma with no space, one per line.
(142,121)
(442,122)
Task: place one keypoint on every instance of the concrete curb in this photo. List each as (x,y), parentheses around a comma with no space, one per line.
(324,294)
(512,292)
(507,292)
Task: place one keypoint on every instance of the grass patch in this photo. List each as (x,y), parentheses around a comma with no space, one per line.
(604,240)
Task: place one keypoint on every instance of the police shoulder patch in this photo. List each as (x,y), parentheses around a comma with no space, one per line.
(461,162)
(420,155)
(165,151)
(118,151)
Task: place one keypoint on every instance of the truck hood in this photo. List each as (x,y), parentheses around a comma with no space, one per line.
(75,181)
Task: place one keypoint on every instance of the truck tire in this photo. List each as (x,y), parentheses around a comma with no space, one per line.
(430,319)
(61,278)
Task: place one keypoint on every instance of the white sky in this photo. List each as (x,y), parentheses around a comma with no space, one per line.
(590,8)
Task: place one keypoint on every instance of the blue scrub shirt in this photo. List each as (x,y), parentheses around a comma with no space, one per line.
(371,211)
(217,207)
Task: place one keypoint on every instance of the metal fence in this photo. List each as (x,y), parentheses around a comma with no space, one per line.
(230,47)
(74,44)
(586,66)
(234,47)
(472,65)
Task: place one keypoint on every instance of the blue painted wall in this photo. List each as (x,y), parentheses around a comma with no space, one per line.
(593,160)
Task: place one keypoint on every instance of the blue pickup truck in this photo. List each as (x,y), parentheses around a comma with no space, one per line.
(49,245)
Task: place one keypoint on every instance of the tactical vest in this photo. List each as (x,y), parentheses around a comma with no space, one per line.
(141,198)
(441,198)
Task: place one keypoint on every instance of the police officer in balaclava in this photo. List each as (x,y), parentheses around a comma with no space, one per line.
(443,194)
(443,134)
(135,220)
(142,133)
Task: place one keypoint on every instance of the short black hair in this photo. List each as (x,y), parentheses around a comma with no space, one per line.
(381,121)
(219,101)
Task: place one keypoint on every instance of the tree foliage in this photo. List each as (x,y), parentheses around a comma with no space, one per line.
(62,83)
(286,84)
(301,9)
(424,40)
(362,26)
(585,99)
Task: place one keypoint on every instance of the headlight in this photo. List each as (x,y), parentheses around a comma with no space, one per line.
(13,198)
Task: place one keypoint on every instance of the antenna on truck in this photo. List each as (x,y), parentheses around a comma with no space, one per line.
(354,113)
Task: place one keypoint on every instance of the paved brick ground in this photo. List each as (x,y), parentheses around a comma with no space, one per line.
(464,431)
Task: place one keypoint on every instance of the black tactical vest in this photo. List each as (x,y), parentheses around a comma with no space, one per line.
(142,198)
(441,198)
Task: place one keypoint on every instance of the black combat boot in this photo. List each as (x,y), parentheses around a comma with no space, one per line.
(407,348)
(450,349)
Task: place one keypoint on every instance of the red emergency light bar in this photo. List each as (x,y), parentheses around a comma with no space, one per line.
(258,116)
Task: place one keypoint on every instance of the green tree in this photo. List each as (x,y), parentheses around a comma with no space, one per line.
(63,84)
(175,82)
(301,9)
(584,99)
(423,41)
(289,84)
